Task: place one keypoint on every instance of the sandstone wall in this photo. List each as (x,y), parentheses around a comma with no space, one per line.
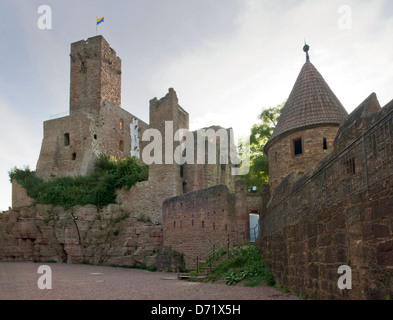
(340,215)
(196,220)
(254,203)
(107,236)
(95,75)
(281,153)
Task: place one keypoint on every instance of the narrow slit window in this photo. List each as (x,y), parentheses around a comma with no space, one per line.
(73,156)
(325,144)
(66,139)
(121,145)
(184,186)
(121,124)
(297,146)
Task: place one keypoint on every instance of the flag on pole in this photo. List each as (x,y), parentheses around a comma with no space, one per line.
(99,20)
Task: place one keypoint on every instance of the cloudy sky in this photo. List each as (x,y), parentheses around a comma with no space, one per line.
(226,59)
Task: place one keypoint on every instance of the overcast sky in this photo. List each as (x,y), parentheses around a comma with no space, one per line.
(226,59)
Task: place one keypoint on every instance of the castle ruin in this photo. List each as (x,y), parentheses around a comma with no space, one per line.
(328,203)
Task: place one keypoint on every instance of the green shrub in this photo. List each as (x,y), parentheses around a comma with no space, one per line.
(244,263)
(98,188)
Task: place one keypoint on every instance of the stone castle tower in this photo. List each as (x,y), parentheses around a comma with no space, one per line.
(307,127)
(96,122)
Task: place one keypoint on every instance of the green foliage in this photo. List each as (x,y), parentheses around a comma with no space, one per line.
(260,134)
(97,188)
(244,263)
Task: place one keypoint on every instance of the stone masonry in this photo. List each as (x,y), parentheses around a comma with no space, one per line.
(130,231)
(341,214)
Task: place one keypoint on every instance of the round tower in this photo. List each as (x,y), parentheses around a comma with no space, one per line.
(307,127)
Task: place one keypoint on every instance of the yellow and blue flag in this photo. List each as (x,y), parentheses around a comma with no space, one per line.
(99,20)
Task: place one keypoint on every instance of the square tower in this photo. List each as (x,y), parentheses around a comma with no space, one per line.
(95,75)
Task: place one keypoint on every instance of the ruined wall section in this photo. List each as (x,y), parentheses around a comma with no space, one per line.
(71,144)
(195,221)
(115,132)
(145,198)
(67,146)
(164,113)
(203,174)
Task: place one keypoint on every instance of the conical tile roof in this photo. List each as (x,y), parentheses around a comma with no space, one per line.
(310,103)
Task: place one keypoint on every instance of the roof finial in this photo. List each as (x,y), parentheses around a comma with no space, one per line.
(305,49)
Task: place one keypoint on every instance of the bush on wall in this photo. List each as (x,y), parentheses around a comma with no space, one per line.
(98,188)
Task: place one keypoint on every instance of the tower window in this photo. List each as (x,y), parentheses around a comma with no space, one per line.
(297,146)
(121,124)
(121,145)
(83,67)
(95,137)
(325,144)
(184,186)
(181,171)
(350,166)
(66,139)
(73,156)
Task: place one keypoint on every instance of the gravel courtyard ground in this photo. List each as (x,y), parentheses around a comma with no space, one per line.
(19,281)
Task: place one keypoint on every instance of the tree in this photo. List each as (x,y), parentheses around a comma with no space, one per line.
(260,134)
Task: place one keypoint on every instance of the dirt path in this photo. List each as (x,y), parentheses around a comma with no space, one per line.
(19,280)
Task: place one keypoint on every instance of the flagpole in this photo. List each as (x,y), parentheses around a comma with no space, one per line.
(96,26)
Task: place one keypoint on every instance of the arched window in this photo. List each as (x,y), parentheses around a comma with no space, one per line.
(121,124)
(121,145)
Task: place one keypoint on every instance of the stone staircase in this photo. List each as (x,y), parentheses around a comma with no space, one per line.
(203,272)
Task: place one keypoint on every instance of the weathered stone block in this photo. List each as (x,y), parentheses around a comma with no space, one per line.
(374,231)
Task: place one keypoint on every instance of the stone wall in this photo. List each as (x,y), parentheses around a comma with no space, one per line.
(107,236)
(339,215)
(282,160)
(254,202)
(87,136)
(96,124)
(95,75)
(196,220)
